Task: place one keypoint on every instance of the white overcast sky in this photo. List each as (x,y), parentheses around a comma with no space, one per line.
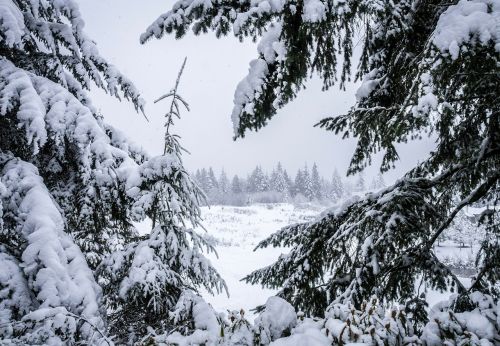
(214,68)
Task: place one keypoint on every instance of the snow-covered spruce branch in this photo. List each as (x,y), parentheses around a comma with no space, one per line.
(343,233)
(93,326)
(57,282)
(373,323)
(77,317)
(476,195)
(48,38)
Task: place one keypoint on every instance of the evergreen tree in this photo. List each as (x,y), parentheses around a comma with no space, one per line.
(288,182)
(213,183)
(379,181)
(307,187)
(211,186)
(236,185)
(272,180)
(316,185)
(252,180)
(66,186)
(197,177)
(257,181)
(223,183)
(265,185)
(279,182)
(360,185)
(204,181)
(326,188)
(144,281)
(299,183)
(427,67)
(337,190)
(224,188)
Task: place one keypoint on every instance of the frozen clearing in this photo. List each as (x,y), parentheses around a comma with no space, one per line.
(236,231)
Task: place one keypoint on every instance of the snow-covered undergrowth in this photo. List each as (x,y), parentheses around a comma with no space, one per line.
(228,320)
(279,324)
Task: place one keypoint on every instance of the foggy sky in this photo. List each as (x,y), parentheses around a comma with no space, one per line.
(214,68)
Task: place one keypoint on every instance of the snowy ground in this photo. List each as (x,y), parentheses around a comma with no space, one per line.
(237,230)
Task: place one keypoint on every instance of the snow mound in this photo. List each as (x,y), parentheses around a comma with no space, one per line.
(11,23)
(307,333)
(278,318)
(476,21)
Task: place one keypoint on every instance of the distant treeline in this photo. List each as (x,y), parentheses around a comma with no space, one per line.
(278,186)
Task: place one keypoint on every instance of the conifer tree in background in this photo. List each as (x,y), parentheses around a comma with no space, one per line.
(288,182)
(204,182)
(213,183)
(380,181)
(264,185)
(377,182)
(272,180)
(212,186)
(258,181)
(197,177)
(316,183)
(360,185)
(279,183)
(253,180)
(238,195)
(283,184)
(326,189)
(224,187)
(307,187)
(276,188)
(236,185)
(337,190)
(209,184)
(427,67)
(298,185)
(144,281)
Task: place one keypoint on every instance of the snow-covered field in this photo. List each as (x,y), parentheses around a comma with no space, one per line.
(236,231)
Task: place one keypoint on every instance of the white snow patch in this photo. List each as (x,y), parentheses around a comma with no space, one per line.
(11,23)
(368,85)
(475,21)
(277,317)
(314,11)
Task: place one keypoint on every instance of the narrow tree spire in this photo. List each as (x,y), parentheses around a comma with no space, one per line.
(172,144)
